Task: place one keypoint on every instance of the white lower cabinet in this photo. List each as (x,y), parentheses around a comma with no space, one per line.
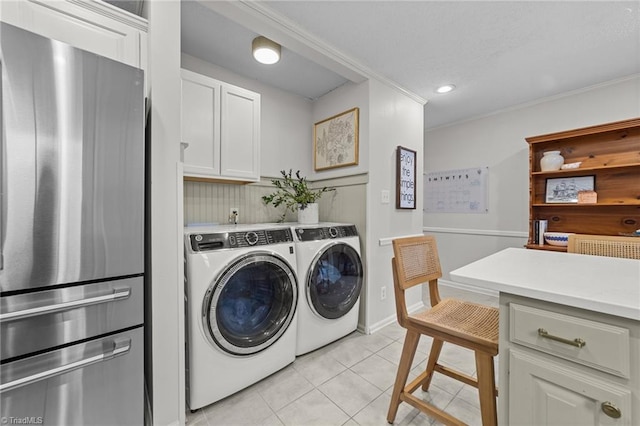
(220,130)
(563,366)
(544,393)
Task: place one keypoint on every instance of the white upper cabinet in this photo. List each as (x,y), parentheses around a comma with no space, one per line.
(221,127)
(200,128)
(94,26)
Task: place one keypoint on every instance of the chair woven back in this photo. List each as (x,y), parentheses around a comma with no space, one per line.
(456,322)
(417,260)
(605,245)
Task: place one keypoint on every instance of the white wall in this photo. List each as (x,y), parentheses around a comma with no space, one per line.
(348,204)
(342,99)
(167,315)
(498,141)
(387,119)
(285,131)
(394,119)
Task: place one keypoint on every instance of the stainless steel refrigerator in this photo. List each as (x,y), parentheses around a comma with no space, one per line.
(71,235)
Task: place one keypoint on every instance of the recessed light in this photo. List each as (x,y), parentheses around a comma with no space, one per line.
(445,88)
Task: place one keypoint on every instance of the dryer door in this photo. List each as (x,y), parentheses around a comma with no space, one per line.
(334,281)
(250,304)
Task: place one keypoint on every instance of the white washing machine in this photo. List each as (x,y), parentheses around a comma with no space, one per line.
(241,298)
(330,273)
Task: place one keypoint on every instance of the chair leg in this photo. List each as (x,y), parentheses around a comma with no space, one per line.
(408,352)
(486,388)
(436,347)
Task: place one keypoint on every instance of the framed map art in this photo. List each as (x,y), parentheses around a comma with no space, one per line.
(335,141)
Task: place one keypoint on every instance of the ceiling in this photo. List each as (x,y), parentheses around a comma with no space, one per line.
(498,54)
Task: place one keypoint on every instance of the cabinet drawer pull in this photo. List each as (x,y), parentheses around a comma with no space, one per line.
(611,410)
(577,342)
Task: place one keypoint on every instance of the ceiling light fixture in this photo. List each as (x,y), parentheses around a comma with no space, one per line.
(446,88)
(265,51)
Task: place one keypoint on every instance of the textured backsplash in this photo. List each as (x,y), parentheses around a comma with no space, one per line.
(206,202)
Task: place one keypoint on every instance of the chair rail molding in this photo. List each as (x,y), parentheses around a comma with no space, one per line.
(387,241)
(483,232)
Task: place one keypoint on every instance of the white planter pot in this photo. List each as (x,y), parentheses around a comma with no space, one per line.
(309,214)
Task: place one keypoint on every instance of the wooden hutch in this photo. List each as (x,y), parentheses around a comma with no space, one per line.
(609,152)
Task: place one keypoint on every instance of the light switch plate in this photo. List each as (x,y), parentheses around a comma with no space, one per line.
(384,196)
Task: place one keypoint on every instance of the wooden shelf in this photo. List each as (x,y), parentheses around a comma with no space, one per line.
(585,204)
(584,170)
(545,247)
(610,153)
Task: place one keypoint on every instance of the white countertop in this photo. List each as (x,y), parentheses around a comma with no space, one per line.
(597,283)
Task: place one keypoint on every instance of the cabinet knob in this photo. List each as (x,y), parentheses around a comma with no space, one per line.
(611,410)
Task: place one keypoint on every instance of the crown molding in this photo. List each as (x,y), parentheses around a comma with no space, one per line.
(267,22)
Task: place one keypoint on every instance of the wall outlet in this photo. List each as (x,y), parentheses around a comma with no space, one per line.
(234,215)
(383,293)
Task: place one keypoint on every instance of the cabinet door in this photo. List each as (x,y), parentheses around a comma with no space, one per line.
(544,393)
(95,27)
(240,137)
(200,124)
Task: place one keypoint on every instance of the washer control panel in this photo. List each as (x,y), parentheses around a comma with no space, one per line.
(239,239)
(326,232)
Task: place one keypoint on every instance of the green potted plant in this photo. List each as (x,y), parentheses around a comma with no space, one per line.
(294,194)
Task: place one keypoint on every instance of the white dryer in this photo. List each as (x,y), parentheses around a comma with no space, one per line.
(330,272)
(241,301)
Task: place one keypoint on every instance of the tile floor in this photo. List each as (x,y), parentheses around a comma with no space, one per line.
(349,382)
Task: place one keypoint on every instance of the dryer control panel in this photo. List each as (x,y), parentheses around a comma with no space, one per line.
(239,239)
(326,232)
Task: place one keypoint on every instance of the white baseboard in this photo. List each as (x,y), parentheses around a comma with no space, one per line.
(390,319)
(379,325)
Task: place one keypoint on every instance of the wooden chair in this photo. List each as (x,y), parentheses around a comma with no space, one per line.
(454,321)
(605,245)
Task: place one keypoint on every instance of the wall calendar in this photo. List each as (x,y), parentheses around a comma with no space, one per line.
(457,191)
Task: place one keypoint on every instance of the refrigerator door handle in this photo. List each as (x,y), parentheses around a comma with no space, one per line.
(118,294)
(119,347)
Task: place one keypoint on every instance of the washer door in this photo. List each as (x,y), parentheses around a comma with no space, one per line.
(334,281)
(250,304)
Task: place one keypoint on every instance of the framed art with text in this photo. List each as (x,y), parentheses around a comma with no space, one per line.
(405,178)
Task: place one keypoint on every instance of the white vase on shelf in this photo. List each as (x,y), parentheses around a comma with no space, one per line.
(551,160)
(308,214)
